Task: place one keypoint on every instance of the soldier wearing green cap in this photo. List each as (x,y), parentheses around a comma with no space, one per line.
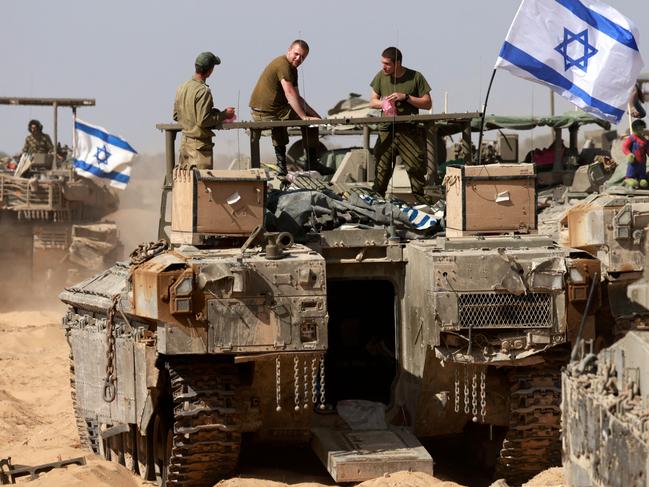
(194,111)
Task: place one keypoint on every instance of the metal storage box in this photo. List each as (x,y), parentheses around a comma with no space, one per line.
(490,199)
(216,203)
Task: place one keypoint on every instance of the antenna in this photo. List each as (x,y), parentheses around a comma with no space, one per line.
(238,130)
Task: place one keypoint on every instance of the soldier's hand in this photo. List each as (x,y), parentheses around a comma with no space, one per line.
(229,112)
(396,96)
(308,117)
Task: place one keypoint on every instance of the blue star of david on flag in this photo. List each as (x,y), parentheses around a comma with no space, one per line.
(588,50)
(102,155)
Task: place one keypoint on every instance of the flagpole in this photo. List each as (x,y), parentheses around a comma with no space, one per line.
(628,109)
(484,113)
(74,139)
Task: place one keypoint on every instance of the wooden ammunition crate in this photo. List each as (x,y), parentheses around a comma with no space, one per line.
(490,199)
(214,203)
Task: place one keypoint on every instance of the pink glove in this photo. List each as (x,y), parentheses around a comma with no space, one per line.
(388,107)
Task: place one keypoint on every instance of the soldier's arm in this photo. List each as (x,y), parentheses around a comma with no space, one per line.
(375,100)
(298,104)
(48,142)
(423,102)
(206,115)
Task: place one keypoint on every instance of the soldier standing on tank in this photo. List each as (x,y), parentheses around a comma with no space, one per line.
(276,97)
(194,110)
(37,142)
(398,90)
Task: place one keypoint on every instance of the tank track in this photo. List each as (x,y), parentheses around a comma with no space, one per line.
(206,437)
(88,429)
(533,441)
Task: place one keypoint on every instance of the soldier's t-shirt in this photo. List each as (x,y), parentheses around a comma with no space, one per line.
(268,95)
(411,83)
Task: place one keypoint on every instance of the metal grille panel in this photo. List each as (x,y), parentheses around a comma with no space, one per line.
(503,310)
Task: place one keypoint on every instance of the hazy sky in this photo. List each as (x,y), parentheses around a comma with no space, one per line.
(131,55)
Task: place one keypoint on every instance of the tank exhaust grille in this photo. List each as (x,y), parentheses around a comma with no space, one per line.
(503,310)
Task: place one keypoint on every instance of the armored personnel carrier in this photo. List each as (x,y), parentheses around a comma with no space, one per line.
(235,328)
(50,218)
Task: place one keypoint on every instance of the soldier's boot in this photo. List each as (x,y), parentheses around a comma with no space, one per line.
(313,164)
(280,155)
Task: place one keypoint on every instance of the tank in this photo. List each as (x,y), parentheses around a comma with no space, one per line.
(604,405)
(245,320)
(605,385)
(51,219)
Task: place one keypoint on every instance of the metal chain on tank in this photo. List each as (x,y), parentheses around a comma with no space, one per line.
(278,383)
(483,393)
(474,395)
(322,382)
(144,252)
(466,389)
(296,380)
(314,378)
(110,390)
(456,384)
(305,404)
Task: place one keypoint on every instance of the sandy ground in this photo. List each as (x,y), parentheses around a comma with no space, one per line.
(37,424)
(36,420)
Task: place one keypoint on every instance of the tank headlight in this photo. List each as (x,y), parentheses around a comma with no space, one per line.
(184,287)
(577,277)
(182,305)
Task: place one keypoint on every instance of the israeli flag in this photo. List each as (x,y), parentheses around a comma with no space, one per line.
(585,50)
(101,155)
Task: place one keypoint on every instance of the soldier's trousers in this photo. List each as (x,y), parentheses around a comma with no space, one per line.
(196,153)
(279,135)
(409,142)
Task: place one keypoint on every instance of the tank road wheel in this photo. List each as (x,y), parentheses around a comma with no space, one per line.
(203,444)
(533,441)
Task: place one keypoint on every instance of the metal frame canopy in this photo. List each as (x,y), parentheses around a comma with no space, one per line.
(428,121)
(54,103)
(61,102)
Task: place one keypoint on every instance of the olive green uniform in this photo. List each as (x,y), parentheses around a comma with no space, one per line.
(38,143)
(194,111)
(268,102)
(406,139)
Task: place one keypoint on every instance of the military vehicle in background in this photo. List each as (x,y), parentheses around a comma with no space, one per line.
(50,218)
(357,331)
(604,406)
(605,388)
